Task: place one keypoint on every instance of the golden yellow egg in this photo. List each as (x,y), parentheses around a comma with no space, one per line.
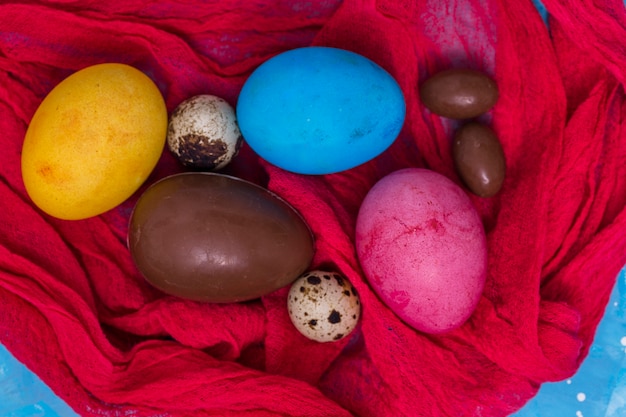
(93,141)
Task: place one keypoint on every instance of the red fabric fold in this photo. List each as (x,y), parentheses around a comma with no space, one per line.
(76,311)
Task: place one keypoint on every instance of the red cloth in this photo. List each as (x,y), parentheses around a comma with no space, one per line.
(74,309)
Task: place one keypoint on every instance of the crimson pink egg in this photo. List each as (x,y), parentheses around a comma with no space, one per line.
(422,246)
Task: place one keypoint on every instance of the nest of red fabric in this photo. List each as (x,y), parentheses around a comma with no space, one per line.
(76,311)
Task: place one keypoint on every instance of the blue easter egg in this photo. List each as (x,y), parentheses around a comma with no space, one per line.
(320,110)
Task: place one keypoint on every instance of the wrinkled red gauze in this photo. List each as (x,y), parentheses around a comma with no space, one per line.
(75,310)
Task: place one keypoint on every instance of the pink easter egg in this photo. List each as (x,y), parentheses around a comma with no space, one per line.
(423,249)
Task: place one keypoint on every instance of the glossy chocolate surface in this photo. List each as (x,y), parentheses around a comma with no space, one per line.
(479,159)
(215,238)
(459,93)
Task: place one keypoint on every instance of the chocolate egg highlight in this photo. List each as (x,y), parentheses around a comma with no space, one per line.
(479,159)
(216,238)
(459,93)
(203,132)
(323,306)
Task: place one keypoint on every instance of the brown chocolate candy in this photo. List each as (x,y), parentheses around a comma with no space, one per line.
(479,159)
(459,93)
(215,238)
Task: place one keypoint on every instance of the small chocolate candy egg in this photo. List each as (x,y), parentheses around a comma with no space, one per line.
(203,132)
(211,237)
(323,306)
(459,93)
(479,159)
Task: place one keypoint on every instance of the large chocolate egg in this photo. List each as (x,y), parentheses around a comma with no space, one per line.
(215,238)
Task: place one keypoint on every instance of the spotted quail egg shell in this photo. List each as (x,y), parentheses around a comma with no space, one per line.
(203,132)
(323,306)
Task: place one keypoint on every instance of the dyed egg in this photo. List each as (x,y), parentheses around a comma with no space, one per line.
(216,238)
(320,110)
(479,159)
(323,306)
(203,133)
(422,247)
(459,93)
(93,141)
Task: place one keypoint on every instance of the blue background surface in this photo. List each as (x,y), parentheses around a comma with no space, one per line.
(599,387)
(23,394)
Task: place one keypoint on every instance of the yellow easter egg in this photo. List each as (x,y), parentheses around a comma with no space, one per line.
(93,141)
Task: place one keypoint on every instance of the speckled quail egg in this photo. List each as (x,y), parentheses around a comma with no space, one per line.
(203,132)
(323,306)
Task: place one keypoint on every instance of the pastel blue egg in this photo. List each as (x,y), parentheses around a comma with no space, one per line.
(320,110)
